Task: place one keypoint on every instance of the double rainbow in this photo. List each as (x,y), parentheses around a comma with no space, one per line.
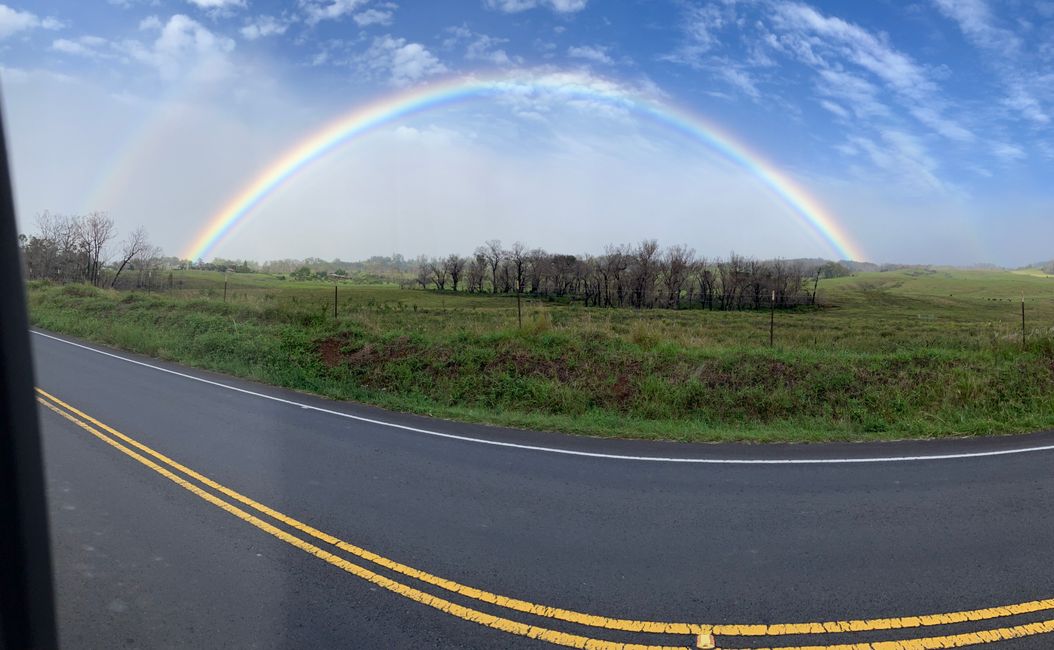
(565,86)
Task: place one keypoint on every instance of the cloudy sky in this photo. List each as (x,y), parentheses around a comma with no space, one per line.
(924,129)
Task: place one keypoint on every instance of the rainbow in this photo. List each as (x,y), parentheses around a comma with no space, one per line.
(569,86)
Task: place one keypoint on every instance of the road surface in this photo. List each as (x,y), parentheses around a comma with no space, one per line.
(192,510)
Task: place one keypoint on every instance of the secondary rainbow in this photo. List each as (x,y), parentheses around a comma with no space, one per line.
(565,85)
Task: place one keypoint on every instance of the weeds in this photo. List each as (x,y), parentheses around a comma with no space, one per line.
(865,367)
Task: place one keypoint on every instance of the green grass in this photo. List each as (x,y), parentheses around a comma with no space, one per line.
(889,355)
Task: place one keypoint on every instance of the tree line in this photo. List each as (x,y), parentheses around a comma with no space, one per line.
(84,248)
(641,275)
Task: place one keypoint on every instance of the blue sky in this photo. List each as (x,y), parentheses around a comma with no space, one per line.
(926,128)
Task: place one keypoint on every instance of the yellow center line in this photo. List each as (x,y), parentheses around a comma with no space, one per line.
(703,632)
(449,585)
(877,624)
(934,643)
(482,618)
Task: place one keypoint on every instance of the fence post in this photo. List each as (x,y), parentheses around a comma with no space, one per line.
(772,320)
(1022,321)
(519,311)
(224,286)
(334,299)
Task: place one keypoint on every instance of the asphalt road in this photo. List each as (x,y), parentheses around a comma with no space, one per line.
(143,561)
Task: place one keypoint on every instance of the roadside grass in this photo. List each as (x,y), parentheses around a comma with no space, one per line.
(887,355)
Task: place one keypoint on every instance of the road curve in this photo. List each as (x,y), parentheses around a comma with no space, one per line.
(149,465)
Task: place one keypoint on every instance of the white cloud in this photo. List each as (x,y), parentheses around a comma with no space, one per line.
(479,47)
(881,93)
(860,95)
(185,48)
(316,11)
(373,16)
(701,23)
(13,21)
(932,117)
(484,48)
(402,61)
(536,93)
(1004,47)
(975,20)
(86,46)
(567,6)
(261,26)
(127,4)
(729,70)
(150,22)
(516,6)
(433,135)
(1008,152)
(71,47)
(740,79)
(835,108)
(218,5)
(902,157)
(1021,99)
(457,33)
(593,53)
(913,83)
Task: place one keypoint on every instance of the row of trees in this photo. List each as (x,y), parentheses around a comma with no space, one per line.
(84,248)
(392,266)
(641,275)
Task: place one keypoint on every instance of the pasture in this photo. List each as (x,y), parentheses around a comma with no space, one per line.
(913,353)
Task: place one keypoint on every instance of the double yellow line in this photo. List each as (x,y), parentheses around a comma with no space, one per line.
(702,636)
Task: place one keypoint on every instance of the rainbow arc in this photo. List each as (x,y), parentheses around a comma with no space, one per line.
(387,110)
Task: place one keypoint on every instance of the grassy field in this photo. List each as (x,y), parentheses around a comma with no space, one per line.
(888,355)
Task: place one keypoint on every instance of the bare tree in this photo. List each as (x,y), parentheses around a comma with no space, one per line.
(537,260)
(675,263)
(707,280)
(732,276)
(43,249)
(454,265)
(95,232)
(642,275)
(424,275)
(617,265)
(477,272)
(645,261)
(134,246)
(505,275)
(493,252)
(145,263)
(518,256)
(439,276)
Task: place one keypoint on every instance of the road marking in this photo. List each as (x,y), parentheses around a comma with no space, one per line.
(876,624)
(933,643)
(568,452)
(704,633)
(449,585)
(482,618)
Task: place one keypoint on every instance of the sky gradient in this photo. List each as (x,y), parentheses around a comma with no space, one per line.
(923,129)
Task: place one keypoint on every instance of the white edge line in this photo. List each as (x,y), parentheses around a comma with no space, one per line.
(568,452)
